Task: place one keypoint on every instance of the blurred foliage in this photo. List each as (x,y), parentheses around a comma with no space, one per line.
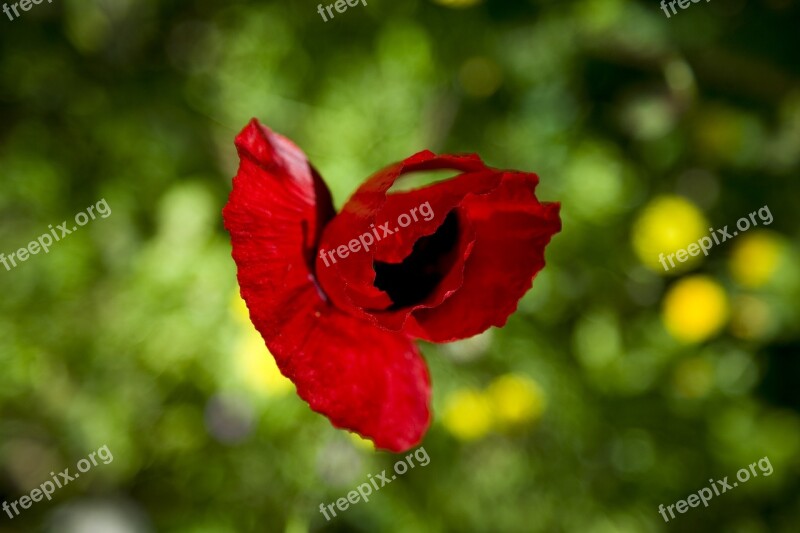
(616,387)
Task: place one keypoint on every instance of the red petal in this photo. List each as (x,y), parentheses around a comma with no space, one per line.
(503,230)
(365,379)
(511,231)
(350,282)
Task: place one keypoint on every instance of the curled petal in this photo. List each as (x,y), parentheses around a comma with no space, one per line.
(449,276)
(363,378)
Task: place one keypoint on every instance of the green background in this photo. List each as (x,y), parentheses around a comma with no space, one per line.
(128,333)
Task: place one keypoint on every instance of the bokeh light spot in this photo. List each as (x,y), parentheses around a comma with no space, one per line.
(666,224)
(516,399)
(255,364)
(468,414)
(755,258)
(695,308)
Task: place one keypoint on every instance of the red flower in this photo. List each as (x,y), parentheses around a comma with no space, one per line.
(339,313)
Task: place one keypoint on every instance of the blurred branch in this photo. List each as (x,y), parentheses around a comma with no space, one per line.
(712,66)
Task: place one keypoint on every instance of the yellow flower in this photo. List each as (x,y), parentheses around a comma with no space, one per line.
(239,309)
(665,225)
(755,258)
(467,414)
(695,308)
(516,399)
(258,369)
(256,366)
(361,443)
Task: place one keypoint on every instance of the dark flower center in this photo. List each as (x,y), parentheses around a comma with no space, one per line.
(416,277)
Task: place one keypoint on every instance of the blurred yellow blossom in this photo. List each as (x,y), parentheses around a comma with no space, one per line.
(239,309)
(665,225)
(468,414)
(361,443)
(755,258)
(509,400)
(255,365)
(695,308)
(516,399)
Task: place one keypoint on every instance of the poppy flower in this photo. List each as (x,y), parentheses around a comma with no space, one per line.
(340,311)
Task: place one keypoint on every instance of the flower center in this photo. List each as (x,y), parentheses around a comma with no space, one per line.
(414,279)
